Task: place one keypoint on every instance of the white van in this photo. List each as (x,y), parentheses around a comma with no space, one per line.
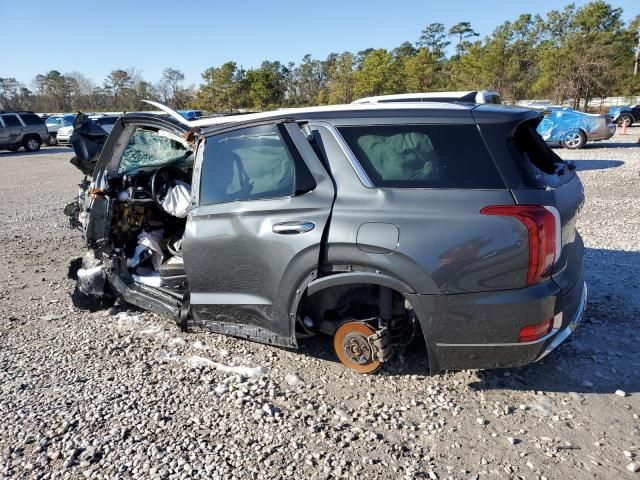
(482,96)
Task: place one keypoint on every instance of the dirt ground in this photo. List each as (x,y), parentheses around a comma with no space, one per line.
(124,394)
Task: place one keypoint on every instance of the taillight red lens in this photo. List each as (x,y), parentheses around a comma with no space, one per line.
(530,333)
(542,226)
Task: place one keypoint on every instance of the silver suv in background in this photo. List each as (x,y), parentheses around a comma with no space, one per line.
(22,129)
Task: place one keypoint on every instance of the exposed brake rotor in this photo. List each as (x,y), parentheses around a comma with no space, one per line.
(352,346)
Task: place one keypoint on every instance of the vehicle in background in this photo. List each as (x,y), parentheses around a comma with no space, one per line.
(22,129)
(104,121)
(284,225)
(190,114)
(481,96)
(625,115)
(55,123)
(573,129)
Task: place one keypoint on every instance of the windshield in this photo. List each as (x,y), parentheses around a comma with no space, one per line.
(147,148)
(67,120)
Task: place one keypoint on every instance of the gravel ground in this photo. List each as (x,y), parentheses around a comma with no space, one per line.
(124,394)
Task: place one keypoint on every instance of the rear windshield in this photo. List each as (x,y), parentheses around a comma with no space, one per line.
(541,165)
(423,156)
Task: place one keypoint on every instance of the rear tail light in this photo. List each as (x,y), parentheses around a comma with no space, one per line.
(531,333)
(543,226)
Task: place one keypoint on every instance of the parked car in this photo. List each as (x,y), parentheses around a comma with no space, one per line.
(190,114)
(481,96)
(54,123)
(370,223)
(573,129)
(104,121)
(22,129)
(625,115)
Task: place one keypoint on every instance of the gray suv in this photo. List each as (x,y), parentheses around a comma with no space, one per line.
(373,224)
(22,129)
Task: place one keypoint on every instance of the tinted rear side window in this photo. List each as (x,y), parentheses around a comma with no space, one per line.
(423,156)
(31,119)
(11,121)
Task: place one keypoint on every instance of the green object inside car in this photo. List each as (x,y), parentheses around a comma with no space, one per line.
(403,156)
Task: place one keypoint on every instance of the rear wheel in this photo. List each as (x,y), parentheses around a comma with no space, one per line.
(351,344)
(52,141)
(32,144)
(574,140)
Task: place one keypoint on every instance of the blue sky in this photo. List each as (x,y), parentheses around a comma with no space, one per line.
(95,37)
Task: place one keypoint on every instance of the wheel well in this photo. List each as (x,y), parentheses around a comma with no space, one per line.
(31,135)
(329,307)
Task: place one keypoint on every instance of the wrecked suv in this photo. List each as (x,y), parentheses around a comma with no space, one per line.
(373,224)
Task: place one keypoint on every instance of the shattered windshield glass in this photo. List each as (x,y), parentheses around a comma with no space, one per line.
(148,148)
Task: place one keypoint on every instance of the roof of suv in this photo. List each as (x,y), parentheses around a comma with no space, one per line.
(442,111)
(482,112)
(17,112)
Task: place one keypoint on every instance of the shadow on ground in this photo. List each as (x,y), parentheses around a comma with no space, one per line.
(42,151)
(602,356)
(582,165)
(632,144)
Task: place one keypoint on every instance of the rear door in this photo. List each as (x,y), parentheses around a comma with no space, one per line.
(262,203)
(12,128)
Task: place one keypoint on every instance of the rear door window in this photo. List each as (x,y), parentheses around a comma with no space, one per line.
(31,119)
(11,121)
(423,156)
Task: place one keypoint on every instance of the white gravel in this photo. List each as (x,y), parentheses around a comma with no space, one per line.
(124,394)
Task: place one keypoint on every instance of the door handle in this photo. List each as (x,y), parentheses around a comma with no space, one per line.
(292,228)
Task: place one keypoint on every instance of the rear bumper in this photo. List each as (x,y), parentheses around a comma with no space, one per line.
(478,340)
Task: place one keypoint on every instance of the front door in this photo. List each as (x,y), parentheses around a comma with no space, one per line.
(262,202)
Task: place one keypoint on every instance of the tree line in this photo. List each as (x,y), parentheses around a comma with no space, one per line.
(573,53)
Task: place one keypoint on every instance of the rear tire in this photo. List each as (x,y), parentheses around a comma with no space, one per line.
(574,140)
(624,120)
(52,140)
(32,144)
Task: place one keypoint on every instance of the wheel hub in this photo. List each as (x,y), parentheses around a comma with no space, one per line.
(351,344)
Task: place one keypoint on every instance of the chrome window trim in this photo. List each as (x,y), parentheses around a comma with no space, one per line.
(355,164)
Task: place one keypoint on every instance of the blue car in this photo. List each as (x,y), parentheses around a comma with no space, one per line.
(190,114)
(625,115)
(572,129)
